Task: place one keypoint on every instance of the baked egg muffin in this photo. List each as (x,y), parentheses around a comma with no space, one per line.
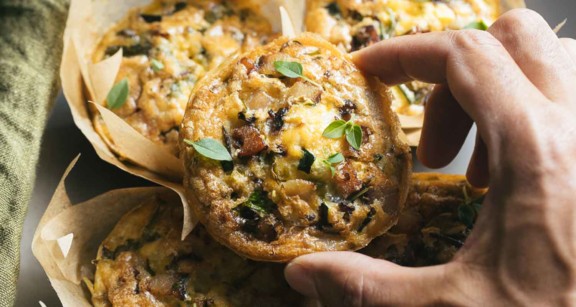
(143,262)
(289,149)
(167,47)
(353,25)
(440,213)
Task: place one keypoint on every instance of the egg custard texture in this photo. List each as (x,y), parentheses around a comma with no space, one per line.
(289,149)
(143,262)
(353,25)
(167,47)
(439,216)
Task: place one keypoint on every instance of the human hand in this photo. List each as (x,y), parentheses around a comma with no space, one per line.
(517,82)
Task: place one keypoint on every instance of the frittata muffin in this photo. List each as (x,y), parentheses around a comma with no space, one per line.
(167,47)
(440,213)
(353,25)
(289,149)
(143,262)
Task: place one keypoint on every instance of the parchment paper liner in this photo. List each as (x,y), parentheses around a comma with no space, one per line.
(89,223)
(68,236)
(83,81)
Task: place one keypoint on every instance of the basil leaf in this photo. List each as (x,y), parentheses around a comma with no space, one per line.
(292,70)
(156,65)
(306,161)
(335,129)
(478,25)
(211,149)
(335,158)
(354,136)
(289,69)
(118,94)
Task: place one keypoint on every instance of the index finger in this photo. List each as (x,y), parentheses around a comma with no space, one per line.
(480,73)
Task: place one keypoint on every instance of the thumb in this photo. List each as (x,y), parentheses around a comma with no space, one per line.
(352,279)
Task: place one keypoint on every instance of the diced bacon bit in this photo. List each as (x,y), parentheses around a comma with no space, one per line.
(249,64)
(249,141)
(346,180)
(365,37)
(347,109)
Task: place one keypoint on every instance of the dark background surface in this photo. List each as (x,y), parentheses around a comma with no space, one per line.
(63,141)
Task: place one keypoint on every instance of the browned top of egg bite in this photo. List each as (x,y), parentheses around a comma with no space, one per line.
(167,47)
(439,216)
(311,150)
(143,262)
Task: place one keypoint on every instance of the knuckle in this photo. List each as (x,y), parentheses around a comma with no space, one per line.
(473,39)
(519,20)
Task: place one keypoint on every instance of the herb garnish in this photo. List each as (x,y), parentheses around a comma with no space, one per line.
(292,70)
(118,94)
(338,128)
(333,159)
(211,149)
(468,211)
(478,25)
(259,203)
(156,65)
(306,161)
(408,93)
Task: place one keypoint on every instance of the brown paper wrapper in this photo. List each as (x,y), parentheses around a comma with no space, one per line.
(68,236)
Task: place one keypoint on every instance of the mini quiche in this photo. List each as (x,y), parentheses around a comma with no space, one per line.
(440,213)
(289,149)
(353,25)
(167,47)
(143,262)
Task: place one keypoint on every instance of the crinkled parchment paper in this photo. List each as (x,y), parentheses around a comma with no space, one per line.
(84,83)
(68,236)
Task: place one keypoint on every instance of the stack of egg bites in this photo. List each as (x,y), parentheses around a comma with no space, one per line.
(288,149)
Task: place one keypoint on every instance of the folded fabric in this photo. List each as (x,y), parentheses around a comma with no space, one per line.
(30,52)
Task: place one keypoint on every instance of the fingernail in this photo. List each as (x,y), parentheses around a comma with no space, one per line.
(300,279)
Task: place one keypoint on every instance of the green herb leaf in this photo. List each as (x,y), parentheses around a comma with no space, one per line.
(408,93)
(335,158)
(156,65)
(306,161)
(478,25)
(259,203)
(357,195)
(289,69)
(335,130)
(354,136)
(468,212)
(211,149)
(118,94)
(292,70)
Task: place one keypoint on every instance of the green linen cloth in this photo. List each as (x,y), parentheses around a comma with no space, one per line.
(30,52)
